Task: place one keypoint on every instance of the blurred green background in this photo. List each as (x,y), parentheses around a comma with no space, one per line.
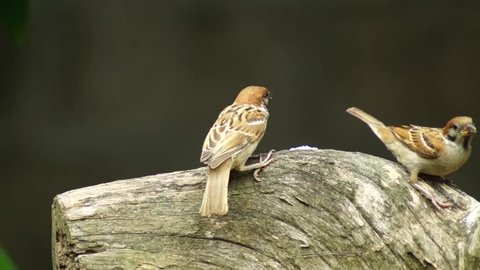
(106,90)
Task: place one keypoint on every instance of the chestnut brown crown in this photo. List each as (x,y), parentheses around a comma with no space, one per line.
(256,95)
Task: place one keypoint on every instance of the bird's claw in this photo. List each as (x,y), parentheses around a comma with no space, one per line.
(436,202)
(264,163)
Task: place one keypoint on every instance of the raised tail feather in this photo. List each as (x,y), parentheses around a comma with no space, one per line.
(365,117)
(383,132)
(215,198)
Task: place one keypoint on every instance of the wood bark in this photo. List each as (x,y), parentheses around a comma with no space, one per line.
(313,209)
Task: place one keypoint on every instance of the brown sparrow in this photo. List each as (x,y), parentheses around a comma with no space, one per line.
(433,151)
(230,142)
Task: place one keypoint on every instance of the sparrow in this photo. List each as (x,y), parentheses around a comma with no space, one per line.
(433,151)
(230,142)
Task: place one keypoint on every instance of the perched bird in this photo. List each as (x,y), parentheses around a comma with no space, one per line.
(433,151)
(230,142)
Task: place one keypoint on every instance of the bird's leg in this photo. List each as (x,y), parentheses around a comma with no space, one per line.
(413,177)
(436,202)
(442,180)
(267,161)
(438,179)
(258,166)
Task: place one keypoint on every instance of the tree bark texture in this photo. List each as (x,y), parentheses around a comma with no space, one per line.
(313,209)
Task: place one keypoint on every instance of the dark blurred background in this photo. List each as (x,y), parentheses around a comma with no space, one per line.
(107,90)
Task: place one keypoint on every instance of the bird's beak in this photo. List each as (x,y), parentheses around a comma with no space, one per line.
(265,100)
(270,96)
(468,130)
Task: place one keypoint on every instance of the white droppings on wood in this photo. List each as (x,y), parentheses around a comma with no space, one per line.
(303,147)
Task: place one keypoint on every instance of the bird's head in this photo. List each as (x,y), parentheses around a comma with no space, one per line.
(460,129)
(256,95)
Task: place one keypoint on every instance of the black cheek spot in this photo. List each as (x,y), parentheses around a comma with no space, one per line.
(451,137)
(466,142)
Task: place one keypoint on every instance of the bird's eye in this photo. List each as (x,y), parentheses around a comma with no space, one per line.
(454,127)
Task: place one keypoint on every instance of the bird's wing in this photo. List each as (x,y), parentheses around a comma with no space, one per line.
(235,129)
(426,142)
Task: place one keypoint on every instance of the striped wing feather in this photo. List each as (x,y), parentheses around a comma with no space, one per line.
(235,129)
(426,142)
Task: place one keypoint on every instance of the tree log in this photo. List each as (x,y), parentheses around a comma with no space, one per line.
(313,209)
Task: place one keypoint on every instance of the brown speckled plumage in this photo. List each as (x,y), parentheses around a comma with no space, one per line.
(434,151)
(230,142)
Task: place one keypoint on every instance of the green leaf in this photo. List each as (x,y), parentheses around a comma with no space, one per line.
(13,14)
(5,262)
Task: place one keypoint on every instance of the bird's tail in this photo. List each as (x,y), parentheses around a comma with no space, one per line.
(383,132)
(365,117)
(215,198)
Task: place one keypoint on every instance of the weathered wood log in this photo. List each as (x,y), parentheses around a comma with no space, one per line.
(314,209)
